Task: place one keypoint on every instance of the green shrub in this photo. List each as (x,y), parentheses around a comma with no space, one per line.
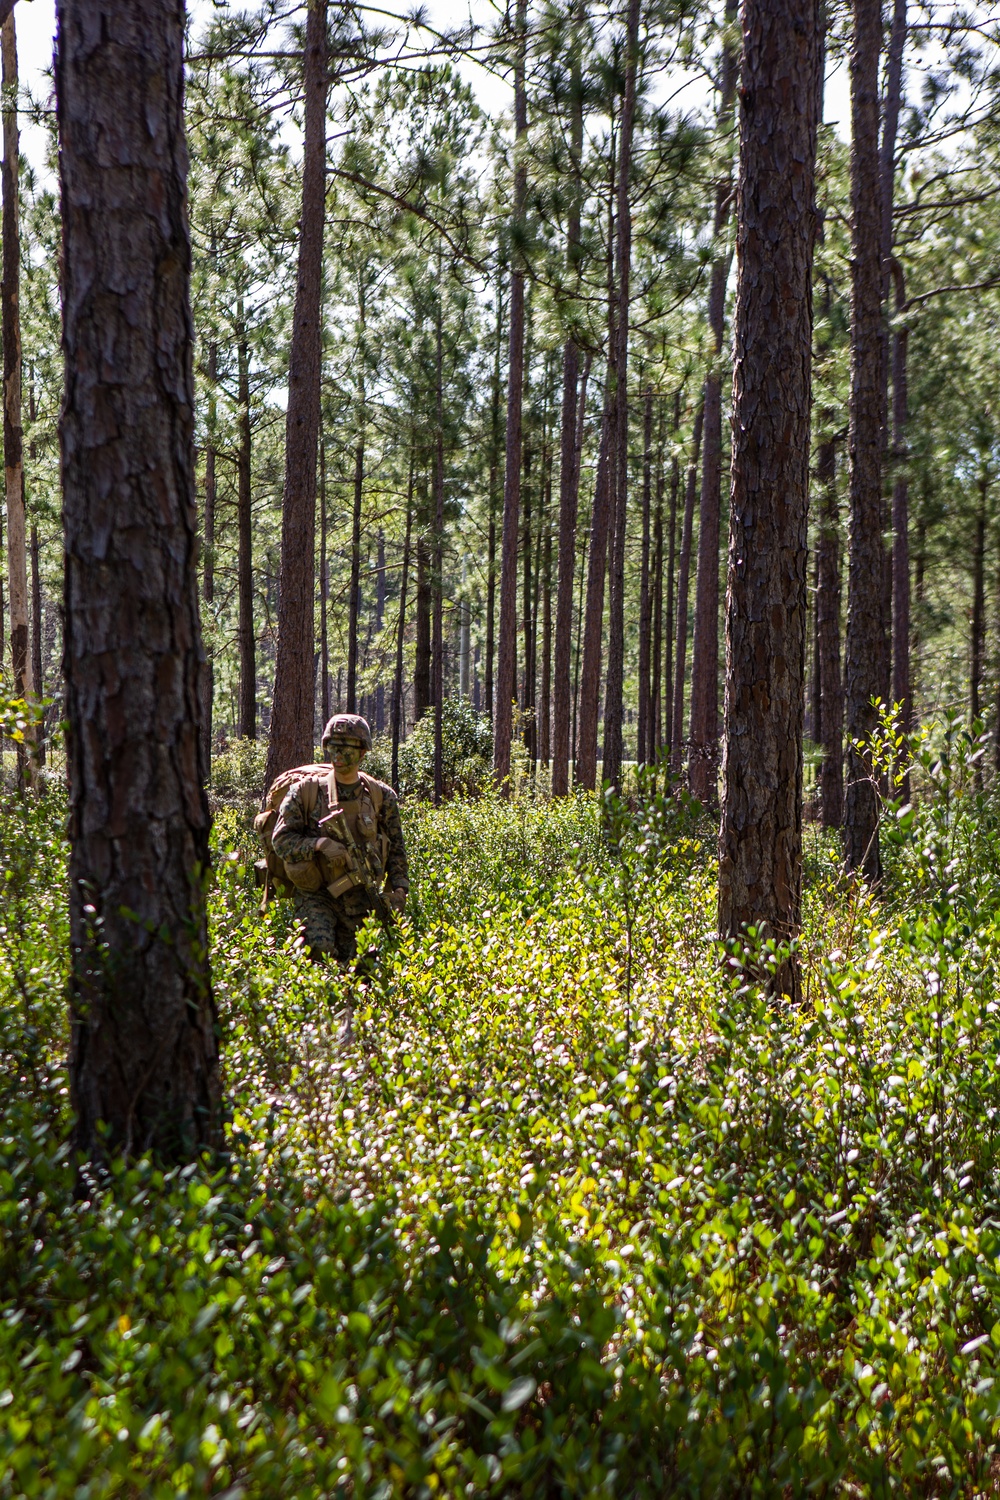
(238,776)
(467,743)
(571,1214)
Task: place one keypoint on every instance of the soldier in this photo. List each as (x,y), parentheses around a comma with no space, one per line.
(315,841)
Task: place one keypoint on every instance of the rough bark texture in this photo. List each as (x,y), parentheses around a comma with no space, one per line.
(668,643)
(506,689)
(208,555)
(324,597)
(354,595)
(704,736)
(615,685)
(831,688)
(491,541)
(683,579)
(437,659)
(17,555)
(291,736)
(891,102)
(398,689)
(760,842)
(422,648)
(977,624)
(545,687)
(593,615)
(247,721)
(143,1052)
(865,651)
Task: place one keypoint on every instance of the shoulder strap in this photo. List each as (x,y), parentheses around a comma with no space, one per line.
(374,791)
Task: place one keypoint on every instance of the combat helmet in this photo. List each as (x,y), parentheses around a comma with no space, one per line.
(348,727)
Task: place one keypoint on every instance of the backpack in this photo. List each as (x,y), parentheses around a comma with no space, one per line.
(270,871)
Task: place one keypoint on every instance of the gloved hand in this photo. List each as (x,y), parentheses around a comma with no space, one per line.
(397,900)
(333,856)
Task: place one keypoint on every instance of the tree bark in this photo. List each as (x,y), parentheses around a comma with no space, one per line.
(379,725)
(704,736)
(891,102)
(354,598)
(615,686)
(545,691)
(668,642)
(506,690)
(684,573)
(143,1052)
(247,727)
(760,842)
(491,541)
(422,657)
(208,565)
(437,663)
(291,737)
(398,688)
(831,690)
(593,614)
(656,695)
(865,631)
(13,435)
(900,520)
(977,632)
(324,594)
(644,727)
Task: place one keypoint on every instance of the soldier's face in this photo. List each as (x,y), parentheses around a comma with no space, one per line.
(346,754)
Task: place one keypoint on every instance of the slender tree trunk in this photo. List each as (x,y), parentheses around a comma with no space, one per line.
(379,624)
(422,659)
(593,614)
(703,756)
(13,437)
(437,665)
(324,593)
(760,843)
(615,686)
(831,690)
(668,644)
(900,520)
(143,1050)
(569,461)
(545,695)
(398,687)
(865,633)
(208,567)
(507,644)
(891,102)
(527,696)
(291,740)
(644,727)
(491,542)
(684,573)
(977,634)
(354,600)
(655,733)
(247,727)
(37,675)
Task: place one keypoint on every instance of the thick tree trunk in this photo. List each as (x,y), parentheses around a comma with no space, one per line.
(291,739)
(506,690)
(645,736)
(247,726)
(704,736)
(683,580)
(615,686)
(13,436)
(760,843)
(831,689)
(865,589)
(143,1052)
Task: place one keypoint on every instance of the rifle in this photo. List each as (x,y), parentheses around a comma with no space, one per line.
(359,872)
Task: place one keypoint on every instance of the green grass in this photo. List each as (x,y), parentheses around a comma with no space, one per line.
(576,1210)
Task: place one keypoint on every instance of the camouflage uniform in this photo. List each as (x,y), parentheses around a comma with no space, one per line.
(330,923)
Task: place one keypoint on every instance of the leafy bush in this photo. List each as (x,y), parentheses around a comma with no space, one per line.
(467,743)
(572,1213)
(238,776)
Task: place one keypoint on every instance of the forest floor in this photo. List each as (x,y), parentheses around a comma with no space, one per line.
(570,1208)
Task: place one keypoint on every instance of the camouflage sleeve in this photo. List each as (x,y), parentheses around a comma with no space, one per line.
(293,838)
(395,864)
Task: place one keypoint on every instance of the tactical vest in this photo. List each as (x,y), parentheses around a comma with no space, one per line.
(275,874)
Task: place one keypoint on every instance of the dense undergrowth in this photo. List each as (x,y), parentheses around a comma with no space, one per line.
(555,1203)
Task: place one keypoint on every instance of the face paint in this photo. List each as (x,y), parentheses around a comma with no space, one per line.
(345,754)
